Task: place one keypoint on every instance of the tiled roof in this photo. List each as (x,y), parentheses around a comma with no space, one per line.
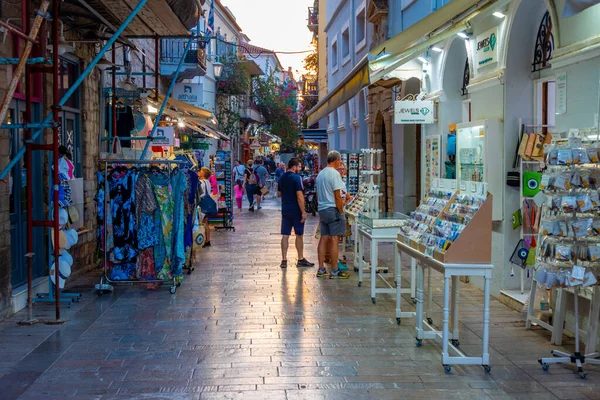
(248,48)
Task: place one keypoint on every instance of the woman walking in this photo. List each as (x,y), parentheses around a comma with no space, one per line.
(251,183)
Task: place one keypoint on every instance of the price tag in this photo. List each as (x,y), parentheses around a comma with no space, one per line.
(435,183)
(442,184)
(474,187)
(453,184)
(463,186)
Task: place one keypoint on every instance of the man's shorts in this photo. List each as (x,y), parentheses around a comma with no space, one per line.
(289,221)
(332,222)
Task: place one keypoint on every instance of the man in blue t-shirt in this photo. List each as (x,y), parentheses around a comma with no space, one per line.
(293,213)
(263,174)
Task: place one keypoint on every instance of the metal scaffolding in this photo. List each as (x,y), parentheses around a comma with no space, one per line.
(26,65)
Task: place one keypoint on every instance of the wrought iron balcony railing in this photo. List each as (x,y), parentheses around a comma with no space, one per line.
(313,19)
(171,51)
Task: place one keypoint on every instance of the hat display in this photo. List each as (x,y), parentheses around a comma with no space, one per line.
(64,271)
(64,254)
(63,216)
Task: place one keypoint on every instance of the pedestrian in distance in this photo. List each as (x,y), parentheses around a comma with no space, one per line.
(293,212)
(263,174)
(205,190)
(251,183)
(331,213)
(239,194)
(237,172)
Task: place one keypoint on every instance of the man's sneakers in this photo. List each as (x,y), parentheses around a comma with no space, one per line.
(305,263)
(321,272)
(251,208)
(259,207)
(337,274)
(283,264)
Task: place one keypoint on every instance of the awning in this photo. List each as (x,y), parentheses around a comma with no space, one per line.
(205,130)
(449,20)
(185,107)
(349,87)
(313,135)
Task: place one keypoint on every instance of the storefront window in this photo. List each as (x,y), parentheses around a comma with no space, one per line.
(69,71)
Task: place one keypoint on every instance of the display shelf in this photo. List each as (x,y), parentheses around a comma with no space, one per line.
(354,162)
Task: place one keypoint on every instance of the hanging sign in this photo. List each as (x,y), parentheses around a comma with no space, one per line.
(487,48)
(561,93)
(168,132)
(255,145)
(413,112)
(190,93)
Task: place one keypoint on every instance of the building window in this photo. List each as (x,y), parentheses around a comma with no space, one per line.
(345,45)
(361,29)
(334,55)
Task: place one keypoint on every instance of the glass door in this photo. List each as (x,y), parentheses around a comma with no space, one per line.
(18,206)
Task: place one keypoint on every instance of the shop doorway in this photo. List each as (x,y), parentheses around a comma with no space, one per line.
(18,206)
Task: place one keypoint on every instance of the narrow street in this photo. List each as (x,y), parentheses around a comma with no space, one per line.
(241,328)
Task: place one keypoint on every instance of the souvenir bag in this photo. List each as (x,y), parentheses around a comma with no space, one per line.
(531,183)
(208,206)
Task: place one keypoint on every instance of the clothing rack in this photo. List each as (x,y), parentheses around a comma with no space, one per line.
(105,282)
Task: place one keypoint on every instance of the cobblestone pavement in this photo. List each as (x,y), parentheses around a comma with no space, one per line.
(241,328)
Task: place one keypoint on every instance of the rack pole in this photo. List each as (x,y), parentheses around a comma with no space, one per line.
(156,66)
(114,100)
(29,178)
(55,138)
(76,84)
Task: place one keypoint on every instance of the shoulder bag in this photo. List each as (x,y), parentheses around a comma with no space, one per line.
(208,206)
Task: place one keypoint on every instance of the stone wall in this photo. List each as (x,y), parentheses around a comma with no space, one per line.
(380,100)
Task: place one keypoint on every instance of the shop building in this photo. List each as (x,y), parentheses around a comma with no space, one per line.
(81,119)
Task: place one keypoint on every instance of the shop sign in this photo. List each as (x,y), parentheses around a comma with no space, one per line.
(264,143)
(255,145)
(169,136)
(413,112)
(190,93)
(487,48)
(561,93)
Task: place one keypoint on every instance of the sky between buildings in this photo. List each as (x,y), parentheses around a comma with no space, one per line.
(278,25)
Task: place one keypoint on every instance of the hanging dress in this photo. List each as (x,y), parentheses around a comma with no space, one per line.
(163,218)
(148,232)
(191,202)
(179,184)
(122,210)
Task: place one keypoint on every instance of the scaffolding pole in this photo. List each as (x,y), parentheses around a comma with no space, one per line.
(18,72)
(76,84)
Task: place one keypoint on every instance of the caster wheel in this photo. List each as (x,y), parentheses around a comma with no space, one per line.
(359,284)
(487,369)
(545,366)
(447,368)
(173,289)
(419,343)
(455,342)
(414,301)
(374,300)
(398,321)
(430,320)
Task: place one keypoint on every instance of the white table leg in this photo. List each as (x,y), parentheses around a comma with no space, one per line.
(558,317)
(429,296)
(398,272)
(413,278)
(530,306)
(360,244)
(445,330)
(373,269)
(455,300)
(419,289)
(593,322)
(486,319)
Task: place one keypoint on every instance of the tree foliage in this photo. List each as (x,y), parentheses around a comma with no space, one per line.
(311,63)
(234,80)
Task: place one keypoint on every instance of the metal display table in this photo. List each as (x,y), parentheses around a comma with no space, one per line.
(383,228)
(451,272)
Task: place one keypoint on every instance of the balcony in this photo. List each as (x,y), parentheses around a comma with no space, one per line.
(313,19)
(248,110)
(194,63)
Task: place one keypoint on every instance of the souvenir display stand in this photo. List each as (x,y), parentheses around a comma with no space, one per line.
(354,161)
(130,266)
(568,256)
(220,165)
(467,252)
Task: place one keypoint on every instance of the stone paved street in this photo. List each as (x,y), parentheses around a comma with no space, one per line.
(241,328)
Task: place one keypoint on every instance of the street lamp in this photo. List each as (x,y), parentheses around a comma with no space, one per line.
(300,86)
(217,69)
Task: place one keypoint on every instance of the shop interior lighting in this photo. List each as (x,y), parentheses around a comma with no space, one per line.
(498,14)
(422,59)
(463,35)
(180,123)
(152,109)
(437,49)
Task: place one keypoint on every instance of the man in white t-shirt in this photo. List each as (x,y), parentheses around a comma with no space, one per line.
(331,213)
(238,172)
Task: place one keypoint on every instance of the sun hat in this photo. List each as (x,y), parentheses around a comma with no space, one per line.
(64,254)
(72,238)
(63,216)
(64,271)
(62,238)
